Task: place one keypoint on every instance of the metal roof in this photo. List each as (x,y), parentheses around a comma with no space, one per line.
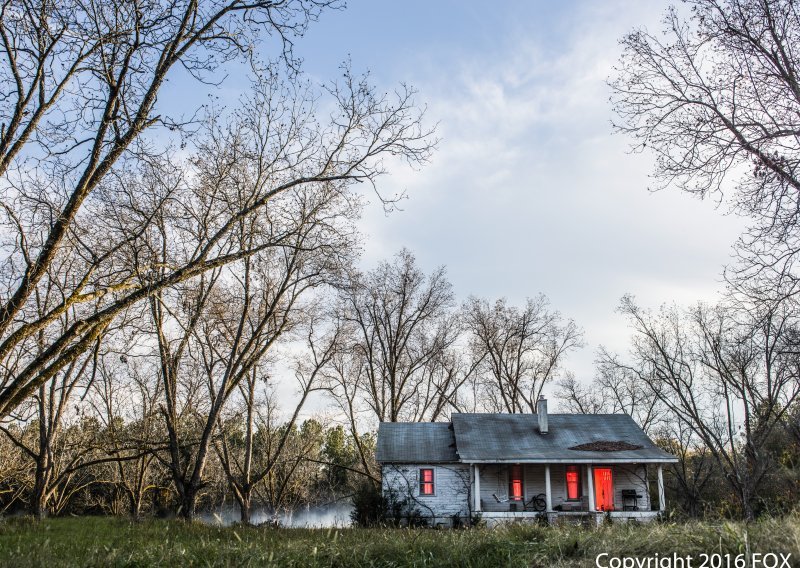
(498,438)
(416,442)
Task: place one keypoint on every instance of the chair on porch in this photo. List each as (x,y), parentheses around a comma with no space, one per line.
(503,499)
(512,504)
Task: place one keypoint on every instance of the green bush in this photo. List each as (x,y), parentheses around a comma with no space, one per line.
(369,506)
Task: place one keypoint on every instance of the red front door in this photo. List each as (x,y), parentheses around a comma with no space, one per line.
(603,489)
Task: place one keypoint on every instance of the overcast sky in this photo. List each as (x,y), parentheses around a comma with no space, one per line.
(529,190)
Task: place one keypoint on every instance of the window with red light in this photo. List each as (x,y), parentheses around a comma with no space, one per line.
(426,482)
(573,483)
(515,483)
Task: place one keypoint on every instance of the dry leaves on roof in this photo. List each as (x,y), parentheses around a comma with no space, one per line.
(606,446)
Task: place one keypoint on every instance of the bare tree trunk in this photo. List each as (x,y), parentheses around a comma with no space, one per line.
(747,508)
(134,506)
(188,508)
(245,499)
(40,494)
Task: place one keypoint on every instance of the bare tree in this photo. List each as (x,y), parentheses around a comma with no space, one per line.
(247,465)
(692,476)
(230,319)
(85,80)
(88,171)
(56,456)
(521,350)
(454,382)
(716,97)
(15,479)
(401,326)
(727,374)
(580,398)
(615,390)
(207,360)
(343,381)
(126,397)
(292,480)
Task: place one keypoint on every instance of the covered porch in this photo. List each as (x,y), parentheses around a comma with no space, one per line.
(566,491)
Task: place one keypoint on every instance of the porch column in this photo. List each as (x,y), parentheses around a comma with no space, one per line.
(476,489)
(547,495)
(662,505)
(590,481)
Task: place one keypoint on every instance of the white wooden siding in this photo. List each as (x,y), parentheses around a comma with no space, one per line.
(452,485)
(631,477)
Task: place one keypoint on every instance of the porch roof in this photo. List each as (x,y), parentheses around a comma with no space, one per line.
(515,438)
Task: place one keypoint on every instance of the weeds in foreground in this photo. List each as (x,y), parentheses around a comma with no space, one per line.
(97,541)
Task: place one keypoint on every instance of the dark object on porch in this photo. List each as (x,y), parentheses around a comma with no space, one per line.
(581,505)
(630,500)
(537,503)
(607,446)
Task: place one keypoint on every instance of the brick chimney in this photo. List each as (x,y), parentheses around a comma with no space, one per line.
(541,413)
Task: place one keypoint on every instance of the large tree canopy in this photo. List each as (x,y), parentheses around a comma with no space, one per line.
(107,216)
(716,97)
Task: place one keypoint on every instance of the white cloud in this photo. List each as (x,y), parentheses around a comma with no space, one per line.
(529,191)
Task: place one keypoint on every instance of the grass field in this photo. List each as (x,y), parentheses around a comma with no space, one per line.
(98,541)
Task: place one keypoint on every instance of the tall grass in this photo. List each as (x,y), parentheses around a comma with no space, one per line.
(96,541)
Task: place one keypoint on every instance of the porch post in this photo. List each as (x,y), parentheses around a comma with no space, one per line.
(590,480)
(477,489)
(547,495)
(661,501)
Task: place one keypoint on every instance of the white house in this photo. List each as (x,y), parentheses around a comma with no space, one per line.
(518,466)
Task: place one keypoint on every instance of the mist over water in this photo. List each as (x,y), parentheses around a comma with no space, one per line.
(321,516)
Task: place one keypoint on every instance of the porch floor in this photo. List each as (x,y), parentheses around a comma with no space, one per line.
(554,517)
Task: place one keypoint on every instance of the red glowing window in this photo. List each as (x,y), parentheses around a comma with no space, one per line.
(573,483)
(426,482)
(515,483)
